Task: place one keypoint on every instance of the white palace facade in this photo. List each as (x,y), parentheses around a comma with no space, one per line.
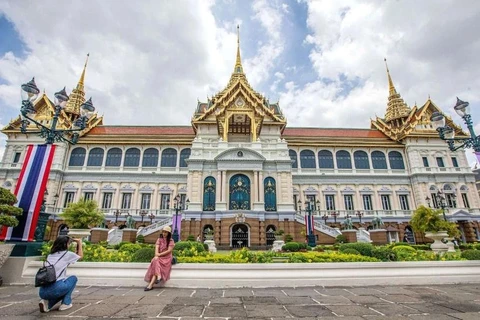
(246,174)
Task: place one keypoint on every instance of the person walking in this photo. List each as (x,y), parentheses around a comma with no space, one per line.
(161,264)
(62,288)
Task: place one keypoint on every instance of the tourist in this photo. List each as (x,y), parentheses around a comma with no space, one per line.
(161,264)
(199,239)
(62,288)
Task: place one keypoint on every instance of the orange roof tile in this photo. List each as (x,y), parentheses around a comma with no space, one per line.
(141,130)
(334,132)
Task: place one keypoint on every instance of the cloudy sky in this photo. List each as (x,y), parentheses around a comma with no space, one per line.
(323,60)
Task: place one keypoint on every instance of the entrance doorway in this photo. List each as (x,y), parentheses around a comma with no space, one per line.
(240,236)
(239,192)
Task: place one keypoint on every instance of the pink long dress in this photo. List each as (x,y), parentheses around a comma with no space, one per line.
(161,266)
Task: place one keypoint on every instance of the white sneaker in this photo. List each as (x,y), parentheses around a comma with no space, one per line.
(43,305)
(64,307)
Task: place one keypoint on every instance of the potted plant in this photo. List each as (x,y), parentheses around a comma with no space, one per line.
(81,216)
(430,222)
(8,218)
(279,234)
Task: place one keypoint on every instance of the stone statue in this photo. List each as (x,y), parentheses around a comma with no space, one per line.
(377,222)
(347,223)
(130,222)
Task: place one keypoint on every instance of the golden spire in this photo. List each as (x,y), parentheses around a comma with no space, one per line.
(396,107)
(238,63)
(77,97)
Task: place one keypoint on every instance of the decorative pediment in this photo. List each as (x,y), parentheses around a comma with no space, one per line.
(403,190)
(108,187)
(462,214)
(237,154)
(70,188)
(127,187)
(166,188)
(89,187)
(366,190)
(146,189)
(183,189)
(385,189)
(310,191)
(348,190)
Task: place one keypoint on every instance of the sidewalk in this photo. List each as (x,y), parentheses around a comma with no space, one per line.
(443,302)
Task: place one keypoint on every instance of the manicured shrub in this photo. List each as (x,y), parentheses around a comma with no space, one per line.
(291,247)
(341,239)
(384,254)
(406,253)
(191,237)
(119,245)
(141,239)
(205,246)
(143,255)
(365,249)
(130,248)
(471,254)
(288,238)
(350,251)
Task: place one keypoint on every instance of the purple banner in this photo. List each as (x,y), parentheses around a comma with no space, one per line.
(478,156)
(177,223)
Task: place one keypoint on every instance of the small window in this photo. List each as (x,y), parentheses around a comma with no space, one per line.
(367,202)
(404,202)
(348,198)
(425,162)
(107,200)
(146,197)
(88,195)
(386,205)
(454,162)
(165,201)
(440,163)
(16,157)
(68,198)
(126,201)
(330,202)
(465,200)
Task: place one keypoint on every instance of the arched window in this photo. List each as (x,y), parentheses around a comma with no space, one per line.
(307,159)
(77,157)
(361,160)
(293,157)
(184,155)
(95,157)
(270,194)
(378,160)
(132,158)
(114,157)
(344,161)
(396,160)
(150,158)
(209,187)
(169,158)
(325,159)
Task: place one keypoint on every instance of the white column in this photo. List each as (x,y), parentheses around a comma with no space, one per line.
(255,187)
(260,187)
(224,185)
(218,191)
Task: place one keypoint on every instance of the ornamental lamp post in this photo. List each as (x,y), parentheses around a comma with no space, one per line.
(334,215)
(117,213)
(359,215)
(177,205)
(448,134)
(52,134)
(311,237)
(151,217)
(325,218)
(143,213)
(439,202)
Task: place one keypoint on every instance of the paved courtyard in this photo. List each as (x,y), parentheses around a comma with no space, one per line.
(442,302)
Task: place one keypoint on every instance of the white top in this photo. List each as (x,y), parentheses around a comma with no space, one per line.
(61,266)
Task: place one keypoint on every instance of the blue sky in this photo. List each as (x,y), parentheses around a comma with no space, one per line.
(323,60)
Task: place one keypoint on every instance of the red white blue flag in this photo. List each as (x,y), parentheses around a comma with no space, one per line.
(309,223)
(29,190)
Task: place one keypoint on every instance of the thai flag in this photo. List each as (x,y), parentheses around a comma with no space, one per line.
(309,223)
(29,190)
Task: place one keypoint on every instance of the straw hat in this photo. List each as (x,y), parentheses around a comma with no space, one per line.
(167,228)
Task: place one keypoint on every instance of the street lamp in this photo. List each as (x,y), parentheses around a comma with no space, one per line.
(178,205)
(359,215)
(117,214)
(448,134)
(325,218)
(439,202)
(311,237)
(151,217)
(334,215)
(52,134)
(143,213)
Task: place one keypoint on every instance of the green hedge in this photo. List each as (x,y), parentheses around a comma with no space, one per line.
(471,254)
(143,255)
(365,249)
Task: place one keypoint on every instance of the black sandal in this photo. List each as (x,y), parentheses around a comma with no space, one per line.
(147,289)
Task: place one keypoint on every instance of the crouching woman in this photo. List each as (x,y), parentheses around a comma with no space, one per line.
(62,288)
(161,264)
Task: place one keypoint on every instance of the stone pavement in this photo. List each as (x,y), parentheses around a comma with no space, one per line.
(439,302)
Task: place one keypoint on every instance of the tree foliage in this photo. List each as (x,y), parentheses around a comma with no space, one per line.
(83,214)
(429,220)
(8,212)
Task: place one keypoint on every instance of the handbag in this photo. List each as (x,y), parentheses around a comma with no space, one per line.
(46,274)
(174,260)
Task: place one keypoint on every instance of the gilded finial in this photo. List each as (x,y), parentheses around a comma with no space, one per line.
(77,97)
(238,63)
(391,87)
(82,77)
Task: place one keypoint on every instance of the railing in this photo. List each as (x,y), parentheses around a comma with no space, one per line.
(136,213)
(154,227)
(319,226)
(363,236)
(115,236)
(367,214)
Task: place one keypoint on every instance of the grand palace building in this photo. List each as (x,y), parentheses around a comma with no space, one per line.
(240,171)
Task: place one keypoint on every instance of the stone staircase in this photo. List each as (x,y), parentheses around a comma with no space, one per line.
(154,227)
(321,227)
(363,236)
(115,236)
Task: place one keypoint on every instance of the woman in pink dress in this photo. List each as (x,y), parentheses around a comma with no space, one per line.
(161,265)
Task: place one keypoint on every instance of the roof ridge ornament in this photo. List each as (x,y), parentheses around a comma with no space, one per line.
(238,62)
